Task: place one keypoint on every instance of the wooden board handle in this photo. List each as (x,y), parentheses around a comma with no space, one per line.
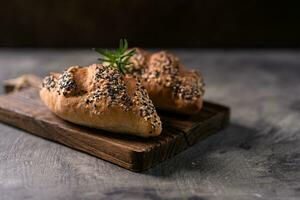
(21,82)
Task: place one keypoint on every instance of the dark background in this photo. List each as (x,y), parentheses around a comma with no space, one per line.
(152,23)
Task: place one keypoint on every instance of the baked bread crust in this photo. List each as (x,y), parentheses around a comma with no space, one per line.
(170,85)
(99,96)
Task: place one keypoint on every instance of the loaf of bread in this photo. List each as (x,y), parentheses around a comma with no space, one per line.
(99,96)
(170,85)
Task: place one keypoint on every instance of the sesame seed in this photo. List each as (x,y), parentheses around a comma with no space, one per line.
(110,86)
(163,69)
(66,82)
(49,83)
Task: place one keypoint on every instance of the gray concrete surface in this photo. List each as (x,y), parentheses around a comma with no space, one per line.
(257,157)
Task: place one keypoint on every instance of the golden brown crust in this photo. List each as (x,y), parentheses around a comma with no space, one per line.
(100,97)
(170,86)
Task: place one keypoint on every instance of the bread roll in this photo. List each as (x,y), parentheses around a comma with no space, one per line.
(170,85)
(99,96)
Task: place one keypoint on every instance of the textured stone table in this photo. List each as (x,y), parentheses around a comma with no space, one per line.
(257,157)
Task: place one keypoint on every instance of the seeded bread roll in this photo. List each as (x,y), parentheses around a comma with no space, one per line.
(99,96)
(170,85)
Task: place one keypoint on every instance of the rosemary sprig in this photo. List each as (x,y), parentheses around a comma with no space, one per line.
(118,58)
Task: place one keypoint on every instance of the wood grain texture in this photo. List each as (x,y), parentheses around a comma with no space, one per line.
(25,110)
(256,157)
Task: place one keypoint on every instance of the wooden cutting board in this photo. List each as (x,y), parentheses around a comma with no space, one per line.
(25,110)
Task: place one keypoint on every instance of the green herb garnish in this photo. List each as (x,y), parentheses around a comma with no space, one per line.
(117,58)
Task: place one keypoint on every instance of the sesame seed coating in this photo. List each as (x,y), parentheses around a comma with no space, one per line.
(66,82)
(111,88)
(164,69)
(145,105)
(49,82)
(138,61)
(106,87)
